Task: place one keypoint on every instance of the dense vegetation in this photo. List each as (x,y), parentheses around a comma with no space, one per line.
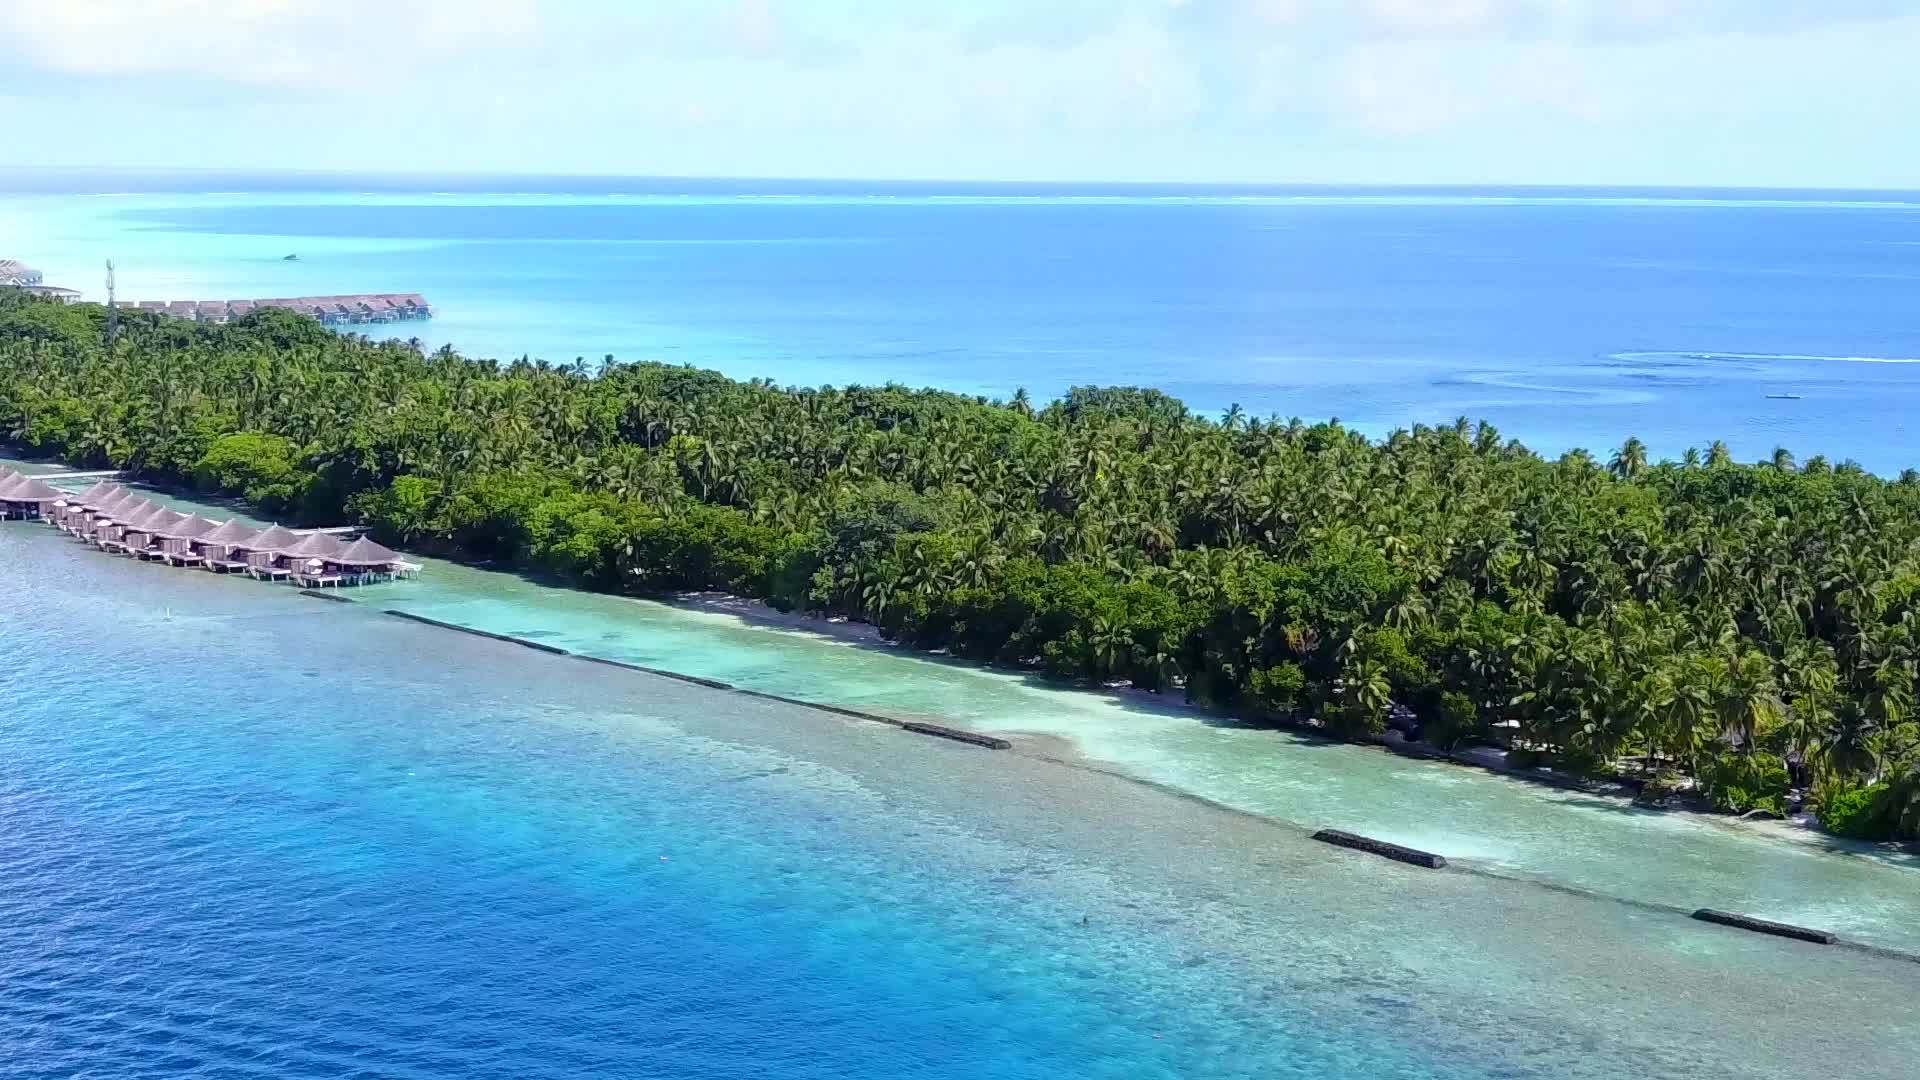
(1702,618)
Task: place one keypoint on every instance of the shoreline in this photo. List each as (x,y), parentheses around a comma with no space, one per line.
(1066,752)
(1802,829)
(843,630)
(1180,888)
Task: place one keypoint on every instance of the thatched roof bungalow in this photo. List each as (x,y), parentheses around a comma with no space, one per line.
(263,551)
(270,540)
(181,543)
(125,506)
(365,553)
(225,548)
(191,527)
(26,496)
(141,535)
(100,491)
(314,546)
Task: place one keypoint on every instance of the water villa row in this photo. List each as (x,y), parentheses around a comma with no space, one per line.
(116,519)
(332,310)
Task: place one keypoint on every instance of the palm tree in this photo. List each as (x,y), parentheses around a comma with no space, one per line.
(1663,608)
(1630,460)
(1365,694)
(1112,645)
(1851,746)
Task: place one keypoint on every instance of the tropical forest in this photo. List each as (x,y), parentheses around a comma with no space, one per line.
(1745,634)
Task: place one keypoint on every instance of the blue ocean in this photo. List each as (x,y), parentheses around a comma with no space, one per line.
(246,834)
(1568,318)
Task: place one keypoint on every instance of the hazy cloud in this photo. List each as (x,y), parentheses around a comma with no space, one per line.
(1270,88)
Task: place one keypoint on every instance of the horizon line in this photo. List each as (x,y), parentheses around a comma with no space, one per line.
(51,171)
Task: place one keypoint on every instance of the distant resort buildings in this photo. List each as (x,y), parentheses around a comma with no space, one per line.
(117,519)
(17,275)
(331,310)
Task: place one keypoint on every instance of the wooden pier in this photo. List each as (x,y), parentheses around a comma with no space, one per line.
(96,474)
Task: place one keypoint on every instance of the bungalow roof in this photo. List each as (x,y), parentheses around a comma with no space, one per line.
(315,546)
(233,534)
(272,539)
(192,527)
(364,552)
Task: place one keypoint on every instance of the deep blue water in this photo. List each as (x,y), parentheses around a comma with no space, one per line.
(245,834)
(1568,318)
(234,844)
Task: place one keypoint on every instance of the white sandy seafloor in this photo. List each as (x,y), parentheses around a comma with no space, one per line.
(1492,823)
(1254,923)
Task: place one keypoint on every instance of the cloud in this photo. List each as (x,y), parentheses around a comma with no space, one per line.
(1562,20)
(276,43)
(1407,88)
(1009,87)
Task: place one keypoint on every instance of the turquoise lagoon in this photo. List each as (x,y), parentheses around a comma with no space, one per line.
(1496,824)
(246,833)
(1567,317)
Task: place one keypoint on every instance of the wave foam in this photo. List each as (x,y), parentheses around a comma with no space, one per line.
(1763,357)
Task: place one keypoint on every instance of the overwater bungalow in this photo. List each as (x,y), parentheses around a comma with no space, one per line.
(307,560)
(263,553)
(117,519)
(125,505)
(142,537)
(81,509)
(28,497)
(332,310)
(180,545)
(225,548)
(363,560)
(95,495)
(84,509)
(111,535)
(312,549)
(98,511)
(113,500)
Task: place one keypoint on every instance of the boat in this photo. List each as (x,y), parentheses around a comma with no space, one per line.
(1784,397)
(291,258)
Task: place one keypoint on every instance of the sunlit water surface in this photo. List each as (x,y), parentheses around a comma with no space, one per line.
(244,833)
(1566,317)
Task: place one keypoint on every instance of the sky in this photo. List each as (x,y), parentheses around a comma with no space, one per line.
(1763,93)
